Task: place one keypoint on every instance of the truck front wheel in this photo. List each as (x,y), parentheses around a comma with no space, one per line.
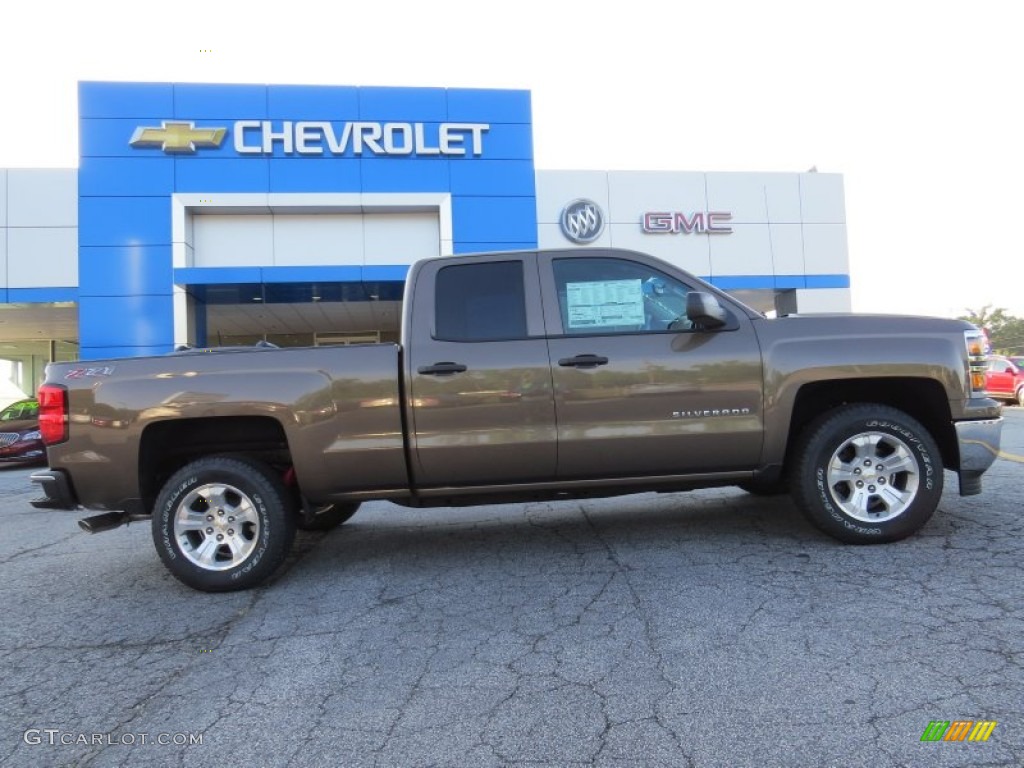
(867,474)
(223,523)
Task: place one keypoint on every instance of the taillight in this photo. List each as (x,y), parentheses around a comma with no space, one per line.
(977,361)
(53,413)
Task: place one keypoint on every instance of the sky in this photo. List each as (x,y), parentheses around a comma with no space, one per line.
(916,104)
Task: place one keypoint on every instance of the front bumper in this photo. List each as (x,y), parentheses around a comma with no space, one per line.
(979,446)
(57,487)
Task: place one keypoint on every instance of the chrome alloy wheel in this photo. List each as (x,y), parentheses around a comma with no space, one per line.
(873,477)
(216,526)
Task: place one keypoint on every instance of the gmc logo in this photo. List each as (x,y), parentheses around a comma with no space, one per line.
(701,222)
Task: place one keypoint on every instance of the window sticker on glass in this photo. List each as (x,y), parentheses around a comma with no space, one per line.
(604,304)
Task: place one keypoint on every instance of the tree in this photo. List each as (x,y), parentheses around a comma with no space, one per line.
(1005,332)
(986,318)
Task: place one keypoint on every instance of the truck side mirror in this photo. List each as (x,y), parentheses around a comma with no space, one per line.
(704,311)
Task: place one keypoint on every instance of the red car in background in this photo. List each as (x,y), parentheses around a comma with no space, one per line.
(1004,380)
(20,440)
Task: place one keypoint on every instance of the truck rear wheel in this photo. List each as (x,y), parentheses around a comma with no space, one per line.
(867,474)
(223,523)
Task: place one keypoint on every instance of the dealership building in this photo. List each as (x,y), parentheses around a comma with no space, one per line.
(225,214)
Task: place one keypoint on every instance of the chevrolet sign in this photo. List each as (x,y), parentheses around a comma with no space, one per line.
(317,137)
(256,137)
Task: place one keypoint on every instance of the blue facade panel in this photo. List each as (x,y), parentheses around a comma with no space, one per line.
(102,321)
(494,219)
(405,174)
(125,176)
(487,178)
(217,275)
(312,102)
(828,281)
(247,174)
(477,105)
(136,100)
(464,247)
(195,101)
(315,174)
(385,273)
(124,270)
(407,105)
(122,221)
(39,295)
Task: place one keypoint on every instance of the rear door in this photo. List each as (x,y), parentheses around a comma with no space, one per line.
(638,391)
(480,395)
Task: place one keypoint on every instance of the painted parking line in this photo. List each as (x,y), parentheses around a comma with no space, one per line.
(1011,457)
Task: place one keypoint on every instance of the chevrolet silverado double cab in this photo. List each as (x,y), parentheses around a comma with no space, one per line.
(520,376)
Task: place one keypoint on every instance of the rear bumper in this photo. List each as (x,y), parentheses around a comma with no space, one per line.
(979,446)
(57,489)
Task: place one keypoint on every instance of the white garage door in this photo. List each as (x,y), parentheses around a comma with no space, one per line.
(315,239)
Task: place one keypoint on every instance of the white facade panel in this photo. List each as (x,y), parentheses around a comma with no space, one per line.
(3,257)
(400,238)
(317,239)
(42,197)
(233,240)
(811,300)
(549,236)
(821,198)
(746,251)
(633,193)
(42,257)
(755,198)
(787,247)
(3,197)
(825,250)
(556,189)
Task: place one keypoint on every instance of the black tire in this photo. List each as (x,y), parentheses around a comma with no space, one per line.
(892,502)
(1020,396)
(240,500)
(329,518)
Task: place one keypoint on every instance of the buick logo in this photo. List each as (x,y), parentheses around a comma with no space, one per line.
(582,221)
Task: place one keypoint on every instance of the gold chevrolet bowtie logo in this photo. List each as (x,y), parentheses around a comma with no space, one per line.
(178,137)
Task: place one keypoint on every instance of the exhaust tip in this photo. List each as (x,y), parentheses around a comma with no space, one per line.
(105,522)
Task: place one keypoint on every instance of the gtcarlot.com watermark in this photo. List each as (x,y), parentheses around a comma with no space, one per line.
(54,737)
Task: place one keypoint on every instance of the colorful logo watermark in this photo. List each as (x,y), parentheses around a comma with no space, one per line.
(959,730)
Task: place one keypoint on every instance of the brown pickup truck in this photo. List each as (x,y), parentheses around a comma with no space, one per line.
(530,375)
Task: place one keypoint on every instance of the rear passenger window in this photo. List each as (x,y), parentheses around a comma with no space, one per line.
(480,302)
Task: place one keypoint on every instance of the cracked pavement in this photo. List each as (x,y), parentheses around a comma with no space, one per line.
(703,629)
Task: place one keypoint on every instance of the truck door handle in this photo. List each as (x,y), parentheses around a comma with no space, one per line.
(441,369)
(583,361)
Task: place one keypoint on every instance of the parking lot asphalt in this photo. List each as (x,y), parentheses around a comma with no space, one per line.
(703,629)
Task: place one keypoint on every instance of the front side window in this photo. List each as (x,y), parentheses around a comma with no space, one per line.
(480,302)
(602,296)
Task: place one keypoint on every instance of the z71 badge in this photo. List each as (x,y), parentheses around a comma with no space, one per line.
(84,373)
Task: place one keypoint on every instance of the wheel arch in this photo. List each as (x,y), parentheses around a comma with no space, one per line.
(923,399)
(166,446)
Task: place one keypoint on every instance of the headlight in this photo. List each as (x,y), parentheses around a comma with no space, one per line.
(977,362)
(34,435)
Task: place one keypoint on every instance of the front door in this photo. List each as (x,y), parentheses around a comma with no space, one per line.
(638,390)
